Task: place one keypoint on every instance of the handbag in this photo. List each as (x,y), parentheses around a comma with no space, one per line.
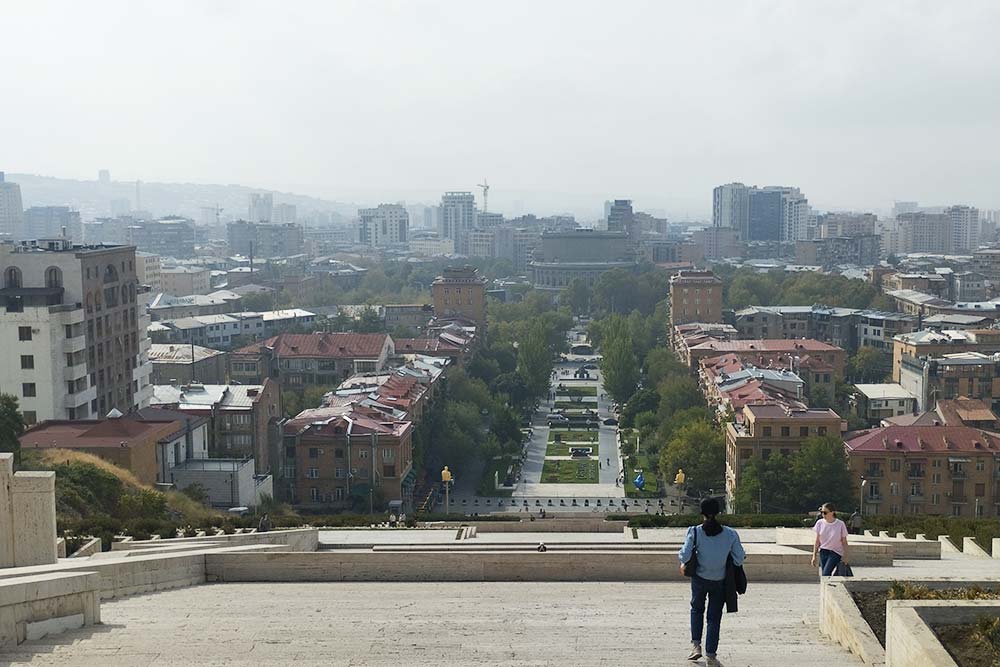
(691,566)
(843,570)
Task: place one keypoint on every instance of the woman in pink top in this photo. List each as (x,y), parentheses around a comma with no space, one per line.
(831,541)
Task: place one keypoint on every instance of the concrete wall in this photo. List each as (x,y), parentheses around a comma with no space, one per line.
(34,606)
(297,539)
(909,635)
(902,548)
(561,525)
(27,516)
(340,565)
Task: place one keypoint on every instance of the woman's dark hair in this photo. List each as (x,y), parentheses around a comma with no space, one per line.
(709,509)
(827,507)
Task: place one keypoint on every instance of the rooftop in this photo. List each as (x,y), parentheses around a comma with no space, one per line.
(323,344)
(176,353)
(196,396)
(768,345)
(884,391)
(782,412)
(932,439)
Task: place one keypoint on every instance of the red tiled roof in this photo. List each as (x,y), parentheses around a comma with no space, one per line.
(939,439)
(325,345)
(767,345)
(90,433)
(404,345)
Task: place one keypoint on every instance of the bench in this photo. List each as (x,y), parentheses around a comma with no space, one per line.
(32,607)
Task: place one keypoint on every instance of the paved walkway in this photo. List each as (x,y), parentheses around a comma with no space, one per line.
(439,624)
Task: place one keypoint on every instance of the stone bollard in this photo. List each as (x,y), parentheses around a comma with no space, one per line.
(27,516)
(996,547)
(971,547)
(900,536)
(947,546)
(883,533)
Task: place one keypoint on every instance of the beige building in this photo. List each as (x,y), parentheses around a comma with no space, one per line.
(695,296)
(771,429)
(937,470)
(183,280)
(929,343)
(459,291)
(147,269)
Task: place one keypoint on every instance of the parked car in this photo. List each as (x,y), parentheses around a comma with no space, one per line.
(555,417)
(611,421)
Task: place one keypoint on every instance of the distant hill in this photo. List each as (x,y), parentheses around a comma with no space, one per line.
(93,198)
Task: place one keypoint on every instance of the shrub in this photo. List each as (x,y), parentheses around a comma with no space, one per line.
(190,531)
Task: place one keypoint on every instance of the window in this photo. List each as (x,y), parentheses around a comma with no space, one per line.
(27,362)
(936,463)
(803,431)
(363,453)
(30,417)
(314,494)
(765,454)
(289,452)
(339,473)
(894,465)
(388,454)
(314,452)
(936,478)
(821,430)
(767,431)
(935,499)
(980,464)
(24,333)
(12,277)
(388,471)
(53,277)
(785,431)
(338,493)
(956,510)
(339,453)
(28,389)
(312,473)
(893,489)
(980,490)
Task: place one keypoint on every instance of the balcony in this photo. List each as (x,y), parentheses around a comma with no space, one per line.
(916,474)
(873,498)
(75,371)
(952,498)
(874,474)
(916,498)
(75,344)
(959,474)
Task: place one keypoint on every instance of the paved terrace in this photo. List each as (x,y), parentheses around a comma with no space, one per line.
(440,624)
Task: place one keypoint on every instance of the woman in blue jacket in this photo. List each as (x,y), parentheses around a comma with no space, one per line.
(713,544)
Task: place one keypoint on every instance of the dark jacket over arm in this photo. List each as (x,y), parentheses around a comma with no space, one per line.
(736,584)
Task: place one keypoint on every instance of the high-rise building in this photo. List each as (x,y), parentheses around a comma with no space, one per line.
(147,270)
(261,208)
(457,216)
(964,228)
(104,177)
(253,239)
(79,336)
(764,221)
(284,213)
(167,237)
(923,232)
(797,220)
(52,222)
(832,225)
(731,208)
(900,207)
(119,207)
(620,215)
(11,209)
(385,225)
(486,220)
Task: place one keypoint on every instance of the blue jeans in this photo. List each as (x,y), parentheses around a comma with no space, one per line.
(828,562)
(716,592)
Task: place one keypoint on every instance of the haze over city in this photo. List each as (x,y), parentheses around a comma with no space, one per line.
(560,105)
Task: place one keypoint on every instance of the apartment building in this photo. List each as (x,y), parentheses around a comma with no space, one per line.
(764,430)
(264,240)
(695,296)
(242,419)
(181,364)
(147,269)
(52,222)
(183,280)
(78,336)
(386,225)
(875,402)
(954,375)
(936,343)
(299,360)
(937,470)
(460,291)
(341,456)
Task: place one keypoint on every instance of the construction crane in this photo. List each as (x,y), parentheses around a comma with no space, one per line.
(486,192)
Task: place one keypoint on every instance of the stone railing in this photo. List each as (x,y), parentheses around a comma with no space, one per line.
(34,606)
(909,628)
(296,539)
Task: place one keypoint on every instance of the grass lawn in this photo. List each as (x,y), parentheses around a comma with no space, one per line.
(573,436)
(649,471)
(576,391)
(570,472)
(575,405)
(562,448)
(486,487)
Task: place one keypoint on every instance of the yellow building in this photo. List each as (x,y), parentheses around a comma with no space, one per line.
(695,296)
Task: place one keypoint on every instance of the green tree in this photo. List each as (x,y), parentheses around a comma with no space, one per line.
(765,486)
(642,401)
(260,301)
(534,360)
(11,426)
(661,364)
(819,473)
(621,371)
(699,449)
(577,297)
(867,365)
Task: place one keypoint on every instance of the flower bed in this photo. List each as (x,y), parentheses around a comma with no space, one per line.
(972,645)
(570,472)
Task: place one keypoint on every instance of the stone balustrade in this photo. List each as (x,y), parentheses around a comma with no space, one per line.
(34,606)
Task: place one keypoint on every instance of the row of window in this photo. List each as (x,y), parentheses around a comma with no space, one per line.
(388,453)
(786,431)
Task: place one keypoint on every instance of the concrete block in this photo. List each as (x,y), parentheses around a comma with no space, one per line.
(996,547)
(947,546)
(910,637)
(901,536)
(883,533)
(971,547)
(33,505)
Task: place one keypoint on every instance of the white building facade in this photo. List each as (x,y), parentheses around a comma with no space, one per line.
(383,226)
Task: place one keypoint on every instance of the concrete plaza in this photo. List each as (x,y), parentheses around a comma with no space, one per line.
(416,624)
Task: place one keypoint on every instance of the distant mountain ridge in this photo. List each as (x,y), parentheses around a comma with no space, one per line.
(93,198)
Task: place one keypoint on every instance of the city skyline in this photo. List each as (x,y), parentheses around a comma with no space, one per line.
(888,111)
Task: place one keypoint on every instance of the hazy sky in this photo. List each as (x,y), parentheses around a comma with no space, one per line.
(559,104)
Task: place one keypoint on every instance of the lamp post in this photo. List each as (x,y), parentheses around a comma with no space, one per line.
(861,507)
(446,480)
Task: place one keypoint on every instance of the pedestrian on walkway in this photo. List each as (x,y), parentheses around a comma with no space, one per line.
(831,541)
(708,549)
(856,522)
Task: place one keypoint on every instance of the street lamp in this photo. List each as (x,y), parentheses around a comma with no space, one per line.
(446,480)
(861,507)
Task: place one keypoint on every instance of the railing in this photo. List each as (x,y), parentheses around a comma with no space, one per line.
(916,474)
(919,498)
(959,474)
(871,474)
(958,499)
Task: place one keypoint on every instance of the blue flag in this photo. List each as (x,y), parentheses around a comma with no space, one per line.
(640,481)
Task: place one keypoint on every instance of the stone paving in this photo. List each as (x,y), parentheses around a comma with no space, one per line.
(440,624)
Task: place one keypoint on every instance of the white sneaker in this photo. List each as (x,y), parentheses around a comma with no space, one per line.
(695,652)
(711,661)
